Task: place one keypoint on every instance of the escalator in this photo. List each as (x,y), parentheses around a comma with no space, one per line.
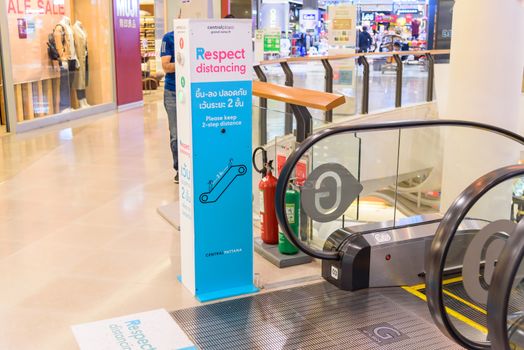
(448,258)
(392,279)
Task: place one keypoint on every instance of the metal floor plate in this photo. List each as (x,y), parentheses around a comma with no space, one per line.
(316,316)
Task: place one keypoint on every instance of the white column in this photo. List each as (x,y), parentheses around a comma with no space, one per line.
(487,57)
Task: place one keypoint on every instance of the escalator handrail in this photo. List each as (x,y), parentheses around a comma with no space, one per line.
(436,258)
(499,295)
(294,158)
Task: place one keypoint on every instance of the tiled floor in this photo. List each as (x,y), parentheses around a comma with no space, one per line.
(80,239)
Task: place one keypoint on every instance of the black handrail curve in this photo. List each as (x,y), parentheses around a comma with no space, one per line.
(504,274)
(287,170)
(441,243)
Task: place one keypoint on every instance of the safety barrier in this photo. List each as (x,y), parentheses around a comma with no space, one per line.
(362,59)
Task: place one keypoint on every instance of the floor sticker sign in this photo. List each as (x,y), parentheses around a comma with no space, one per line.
(213,68)
(152,330)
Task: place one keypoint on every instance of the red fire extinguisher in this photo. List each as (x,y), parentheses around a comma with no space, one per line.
(267,187)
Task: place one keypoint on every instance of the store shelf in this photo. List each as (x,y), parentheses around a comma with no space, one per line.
(147,35)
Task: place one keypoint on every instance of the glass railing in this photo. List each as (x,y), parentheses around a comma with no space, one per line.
(269,133)
(506,297)
(389,174)
(371,82)
(467,254)
(347,79)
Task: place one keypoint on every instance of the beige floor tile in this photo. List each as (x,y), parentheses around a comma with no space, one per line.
(27,230)
(8,248)
(31,329)
(89,236)
(164,243)
(80,236)
(53,255)
(74,294)
(19,282)
(117,265)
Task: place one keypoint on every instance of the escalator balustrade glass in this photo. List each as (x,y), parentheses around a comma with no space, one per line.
(506,295)
(372,179)
(465,253)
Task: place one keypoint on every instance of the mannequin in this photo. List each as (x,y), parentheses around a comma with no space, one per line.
(65,45)
(81,78)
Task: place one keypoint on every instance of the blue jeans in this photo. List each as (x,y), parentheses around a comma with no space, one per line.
(170,105)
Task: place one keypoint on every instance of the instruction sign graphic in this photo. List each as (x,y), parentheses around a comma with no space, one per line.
(154,329)
(222,183)
(214,91)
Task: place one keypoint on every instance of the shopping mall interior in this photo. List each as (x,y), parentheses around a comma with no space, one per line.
(266,174)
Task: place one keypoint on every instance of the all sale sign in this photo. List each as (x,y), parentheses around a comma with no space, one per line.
(29,23)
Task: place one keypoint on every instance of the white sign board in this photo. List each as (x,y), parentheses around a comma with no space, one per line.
(259,46)
(342,25)
(308,20)
(214,60)
(151,330)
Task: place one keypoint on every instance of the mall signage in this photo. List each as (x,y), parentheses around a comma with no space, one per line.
(126,24)
(213,65)
(272,40)
(342,27)
(408,11)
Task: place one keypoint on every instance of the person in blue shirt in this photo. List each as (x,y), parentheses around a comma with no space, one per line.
(167,53)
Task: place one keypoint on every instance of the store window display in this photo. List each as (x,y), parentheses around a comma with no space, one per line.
(3,114)
(61,56)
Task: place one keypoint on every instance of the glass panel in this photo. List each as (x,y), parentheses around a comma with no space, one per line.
(467,154)
(471,260)
(61,56)
(437,163)
(339,180)
(420,171)
(275,122)
(347,79)
(382,82)
(414,79)
(516,311)
(275,75)
(398,174)
(309,75)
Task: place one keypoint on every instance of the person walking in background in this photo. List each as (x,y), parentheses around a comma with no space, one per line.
(167,53)
(364,40)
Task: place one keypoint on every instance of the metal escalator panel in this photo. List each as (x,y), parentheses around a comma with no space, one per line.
(472,254)
(506,295)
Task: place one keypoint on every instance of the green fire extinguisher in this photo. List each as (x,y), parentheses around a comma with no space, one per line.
(293,217)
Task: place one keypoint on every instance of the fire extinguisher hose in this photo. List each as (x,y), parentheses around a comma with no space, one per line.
(261,170)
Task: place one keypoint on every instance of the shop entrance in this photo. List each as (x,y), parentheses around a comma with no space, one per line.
(151,72)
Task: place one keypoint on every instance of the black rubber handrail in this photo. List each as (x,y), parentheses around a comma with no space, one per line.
(504,275)
(287,170)
(436,258)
